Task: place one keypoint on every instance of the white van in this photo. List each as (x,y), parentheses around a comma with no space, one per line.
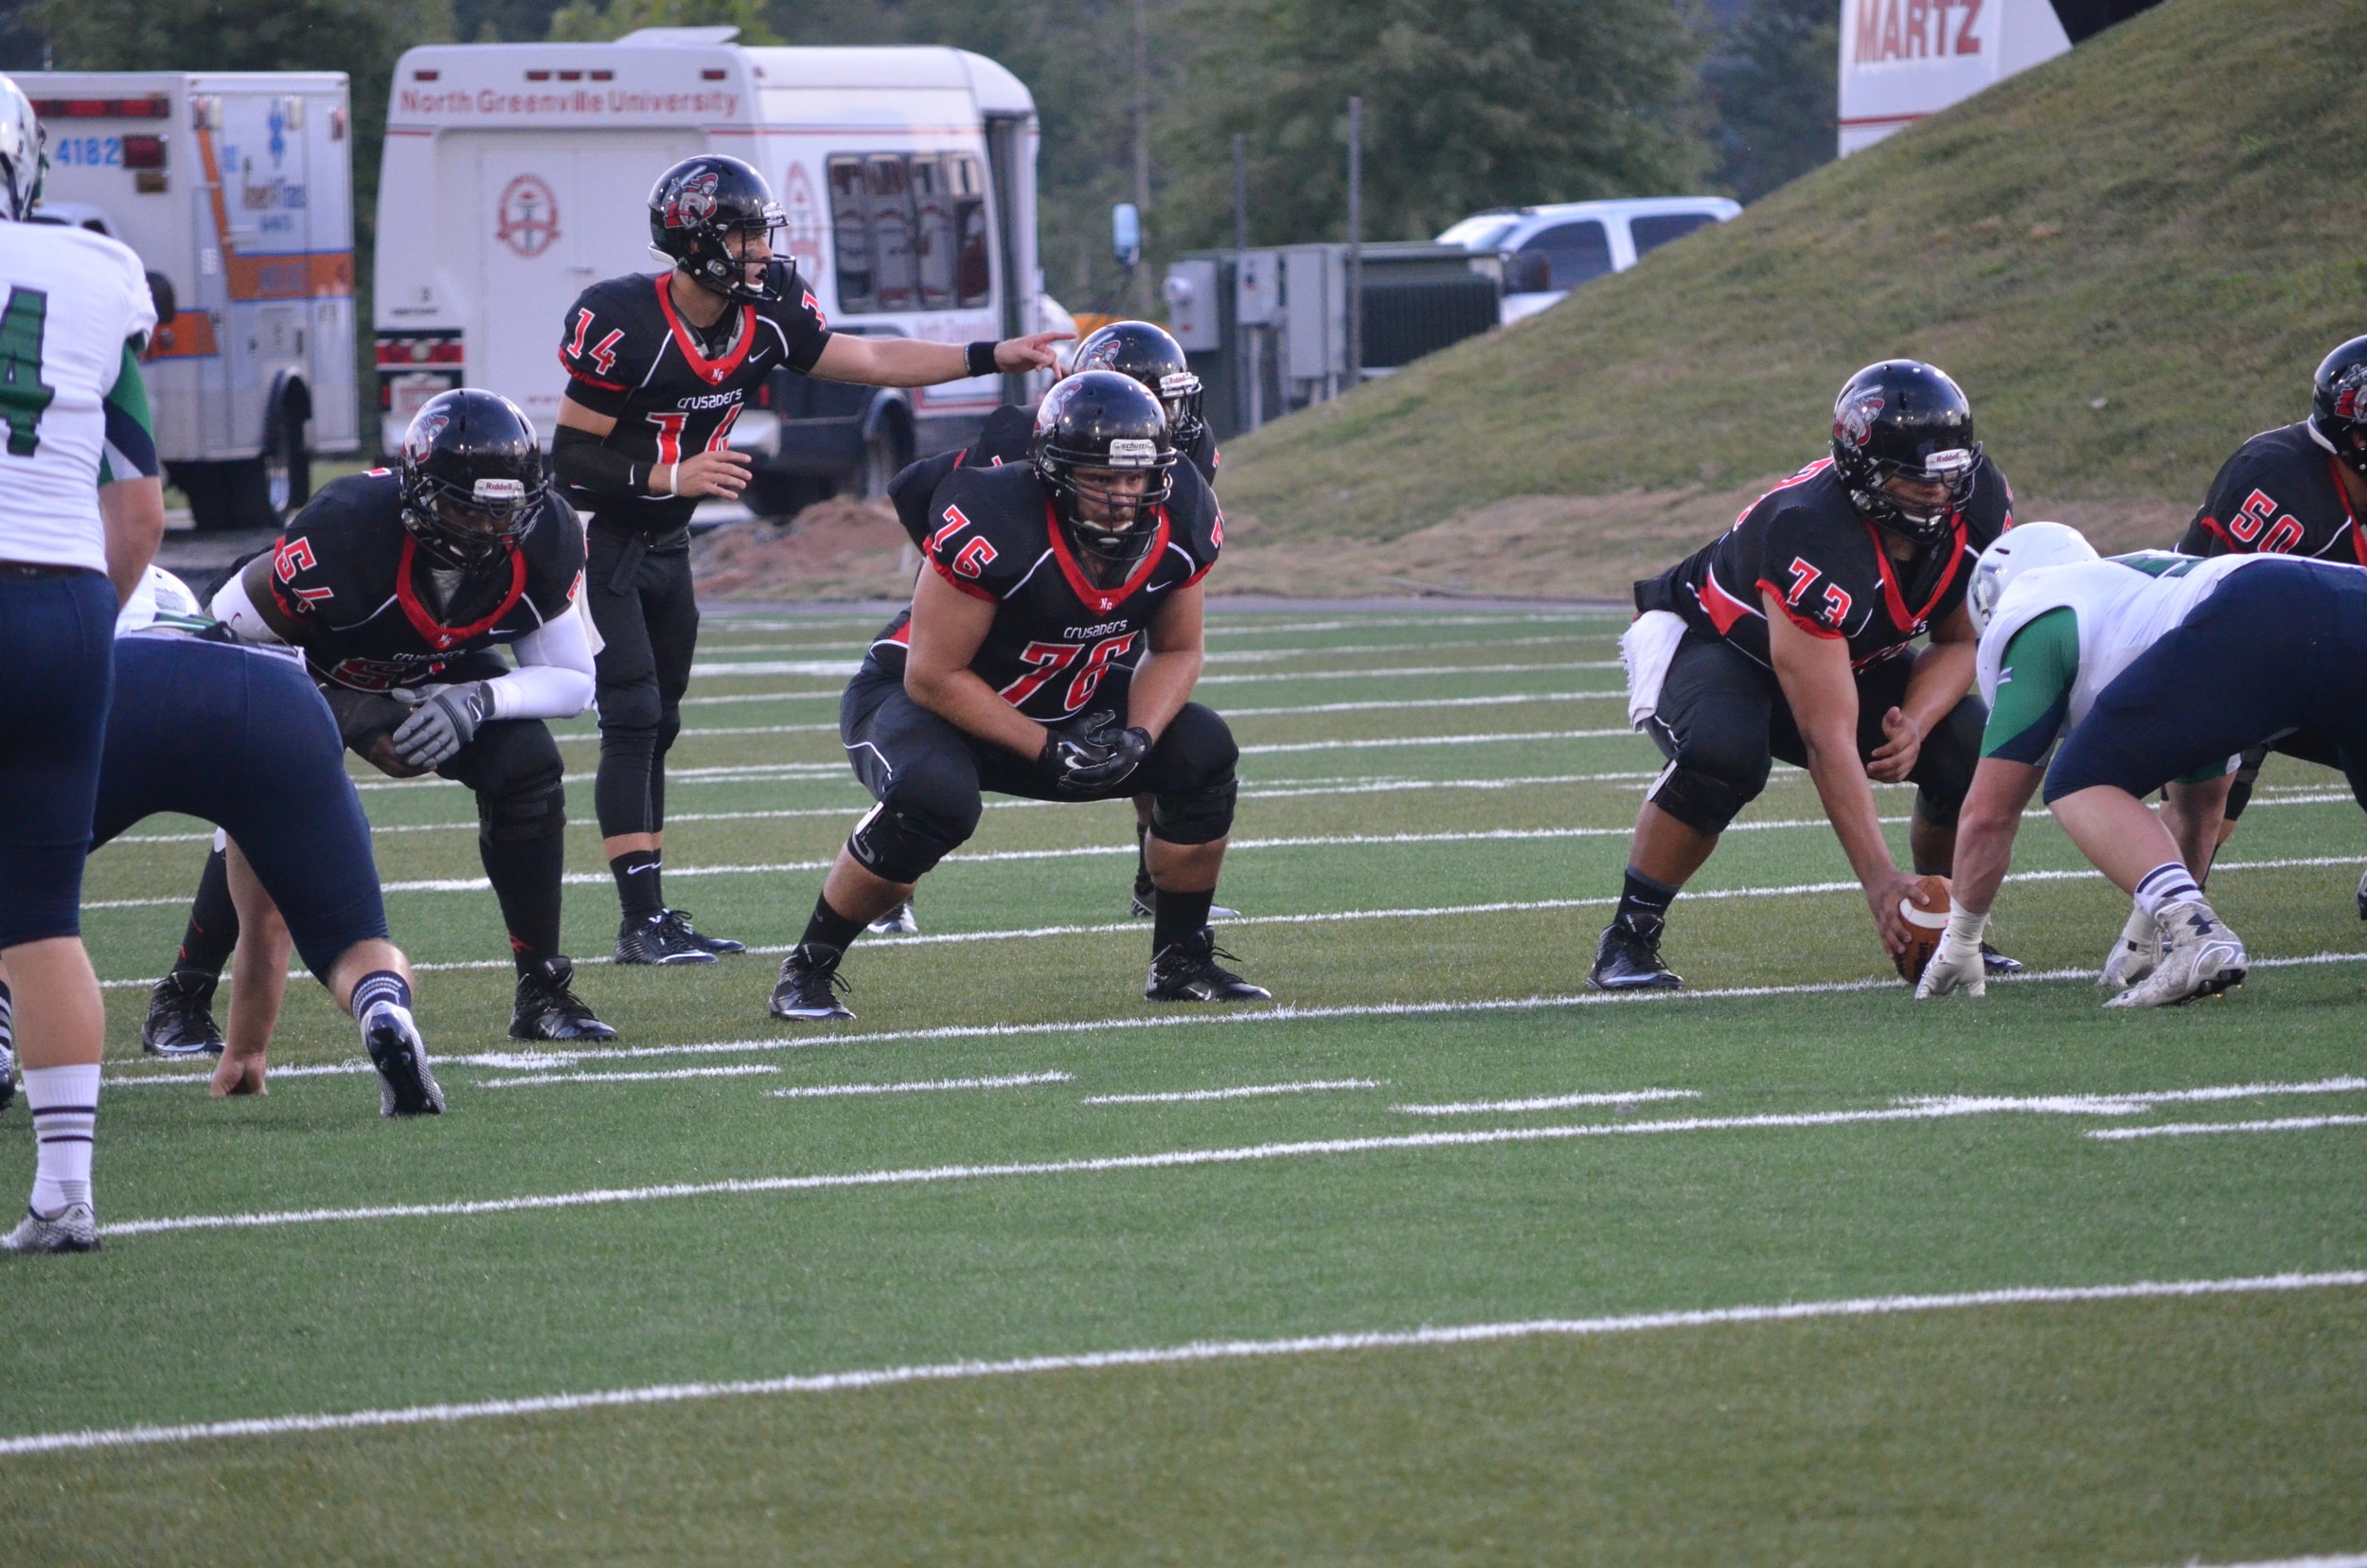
(516,174)
(1549,251)
(235,190)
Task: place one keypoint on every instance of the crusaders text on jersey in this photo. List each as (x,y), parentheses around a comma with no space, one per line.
(1059,642)
(2280,494)
(673,390)
(1829,569)
(371,613)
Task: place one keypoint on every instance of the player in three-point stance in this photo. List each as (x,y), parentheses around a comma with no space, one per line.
(2153,667)
(1137,350)
(1789,637)
(399,586)
(80,512)
(658,370)
(1014,671)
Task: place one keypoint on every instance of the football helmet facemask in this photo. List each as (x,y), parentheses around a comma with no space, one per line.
(1089,428)
(2338,404)
(472,479)
(1905,420)
(1150,355)
(696,204)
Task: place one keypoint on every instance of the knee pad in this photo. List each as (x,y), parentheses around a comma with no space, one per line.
(631,709)
(902,846)
(1936,808)
(1704,802)
(668,728)
(514,816)
(1195,816)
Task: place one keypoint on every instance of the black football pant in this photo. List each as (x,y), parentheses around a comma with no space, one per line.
(928,776)
(648,618)
(1722,723)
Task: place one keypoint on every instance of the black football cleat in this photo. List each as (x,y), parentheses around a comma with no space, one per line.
(810,983)
(899,921)
(1187,971)
(656,941)
(548,1008)
(406,1085)
(1627,960)
(678,920)
(180,1021)
(1995,963)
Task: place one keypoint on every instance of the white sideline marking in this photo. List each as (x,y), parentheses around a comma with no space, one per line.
(1548,1102)
(2181,1130)
(1378,742)
(1318,651)
(2348,1560)
(826,1091)
(627,1078)
(1245,1091)
(1201,1351)
(774,666)
(309,1069)
(1931,1109)
(2112,1104)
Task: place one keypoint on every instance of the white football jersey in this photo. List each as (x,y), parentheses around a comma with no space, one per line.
(2123,605)
(68,300)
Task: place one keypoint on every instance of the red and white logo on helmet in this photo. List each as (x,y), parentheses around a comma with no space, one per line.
(421,440)
(1854,423)
(693,201)
(2350,393)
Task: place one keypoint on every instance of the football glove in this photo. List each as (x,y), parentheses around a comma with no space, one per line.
(1093,755)
(443,723)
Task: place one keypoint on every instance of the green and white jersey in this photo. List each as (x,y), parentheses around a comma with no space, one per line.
(74,311)
(2061,635)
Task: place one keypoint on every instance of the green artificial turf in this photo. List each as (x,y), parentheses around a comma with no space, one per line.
(2218,1429)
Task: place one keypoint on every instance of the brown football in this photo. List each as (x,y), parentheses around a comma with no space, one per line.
(1925,908)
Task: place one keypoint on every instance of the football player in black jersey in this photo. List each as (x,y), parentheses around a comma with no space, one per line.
(1015,669)
(1795,642)
(659,367)
(399,586)
(1137,349)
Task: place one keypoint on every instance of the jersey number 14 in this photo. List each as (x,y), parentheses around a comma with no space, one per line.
(24,396)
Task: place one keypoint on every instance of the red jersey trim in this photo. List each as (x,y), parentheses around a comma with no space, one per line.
(711,371)
(1103,599)
(971,588)
(1722,608)
(1893,597)
(438,634)
(1813,628)
(588,381)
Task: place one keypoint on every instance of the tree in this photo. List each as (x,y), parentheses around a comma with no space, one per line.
(1771,79)
(1485,104)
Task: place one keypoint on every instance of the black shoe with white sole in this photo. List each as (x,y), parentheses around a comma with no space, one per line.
(548,1007)
(678,923)
(898,921)
(1628,959)
(656,941)
(1187,971)
(810,983)
(1995,963)
(180,1021)
(406,1085)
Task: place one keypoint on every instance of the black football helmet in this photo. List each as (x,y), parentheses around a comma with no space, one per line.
(1149,355)
(471,478)
(699,201)
(1101,421)
(1903,418)
(2338,404)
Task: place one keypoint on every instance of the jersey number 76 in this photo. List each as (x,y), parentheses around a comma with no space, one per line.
(1053,659)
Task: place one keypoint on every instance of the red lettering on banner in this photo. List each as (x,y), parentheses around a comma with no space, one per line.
(1965,41)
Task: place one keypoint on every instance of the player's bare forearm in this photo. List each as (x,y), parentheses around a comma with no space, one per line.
(970,705)
(1985,826)
(909,361)
(948,628)
(1822,693)
(1164,682)
(1943,673)
(132,512)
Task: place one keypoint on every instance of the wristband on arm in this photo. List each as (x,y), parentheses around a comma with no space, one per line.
(978,358)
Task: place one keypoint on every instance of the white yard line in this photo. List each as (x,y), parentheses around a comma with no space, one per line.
(2187,1130)
(1245,1091)
(918,1086)
(2348,1560)
(539,1079)
(1200,1352)
(1548,1102)
(1406,672)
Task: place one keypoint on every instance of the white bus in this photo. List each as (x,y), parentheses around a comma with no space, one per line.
(516,174)
(235,190)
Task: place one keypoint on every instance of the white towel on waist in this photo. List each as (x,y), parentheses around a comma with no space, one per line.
(1646,648)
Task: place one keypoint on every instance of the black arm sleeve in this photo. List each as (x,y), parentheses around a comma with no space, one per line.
(586,465)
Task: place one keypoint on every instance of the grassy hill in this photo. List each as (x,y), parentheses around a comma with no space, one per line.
(2132,257)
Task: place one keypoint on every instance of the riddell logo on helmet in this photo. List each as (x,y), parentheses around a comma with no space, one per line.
(1855,422)
(693,199)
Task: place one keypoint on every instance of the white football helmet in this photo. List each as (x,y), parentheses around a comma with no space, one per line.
(21,153)
(2021,549)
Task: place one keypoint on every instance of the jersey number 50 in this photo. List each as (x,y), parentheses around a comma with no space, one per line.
(1053,659)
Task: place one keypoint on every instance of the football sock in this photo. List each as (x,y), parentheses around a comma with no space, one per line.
(525,873)
(1175,916)
(636,873)
(8,1017)
(64,1101)
(2166,883)
(380,986)
(1644,903)
(828,928)
(213,928)
(1143,884)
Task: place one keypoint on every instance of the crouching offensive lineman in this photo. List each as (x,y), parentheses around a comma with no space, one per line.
(1048,652)
(1789,637)
(397,586)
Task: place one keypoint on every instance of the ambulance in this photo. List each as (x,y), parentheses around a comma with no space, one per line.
(516,174)
(235,190)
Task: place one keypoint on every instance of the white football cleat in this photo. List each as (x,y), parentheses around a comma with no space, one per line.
(2136,953)
(73,1228)
(2204,958)
(406,1085)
